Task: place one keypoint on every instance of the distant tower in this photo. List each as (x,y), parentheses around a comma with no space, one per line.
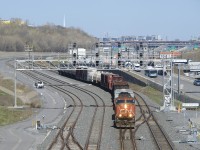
(64,21)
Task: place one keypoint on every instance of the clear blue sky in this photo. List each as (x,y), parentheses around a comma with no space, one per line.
(171,18)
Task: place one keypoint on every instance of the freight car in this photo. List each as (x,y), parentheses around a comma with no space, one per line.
(81,73)
(94,76)
(68,73)
(112,82)
(123,97)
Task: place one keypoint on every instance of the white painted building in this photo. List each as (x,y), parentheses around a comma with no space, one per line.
(81,52)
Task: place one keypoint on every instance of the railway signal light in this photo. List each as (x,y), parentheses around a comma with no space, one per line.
(137,48)
(97,54)
(119,63)
(74,45)
(119,55)
(97,45)
(97,63)
(141,44)
(74,63)
(74,55)
(141,54)
(119,44)
(141,63)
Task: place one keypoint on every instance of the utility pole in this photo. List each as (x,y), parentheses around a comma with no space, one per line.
(178,79)
(168,92)
(15,86)
(15,105)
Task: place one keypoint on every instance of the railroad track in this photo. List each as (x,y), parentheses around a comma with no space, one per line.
(161,139)
(65,137)
(127,138)
(94,136)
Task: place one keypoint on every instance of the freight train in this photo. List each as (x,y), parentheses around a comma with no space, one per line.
(123,97)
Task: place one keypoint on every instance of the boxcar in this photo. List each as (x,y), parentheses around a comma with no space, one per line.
(112,81)
(81,73)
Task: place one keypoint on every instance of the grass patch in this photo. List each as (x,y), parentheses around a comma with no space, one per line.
(8,100)
(137,77)
(135,87)
(153,94)
(2,93)
(10,115)
(9,84)
(35,104)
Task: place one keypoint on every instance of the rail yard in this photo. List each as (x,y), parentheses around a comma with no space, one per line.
(87,115)
(100,75)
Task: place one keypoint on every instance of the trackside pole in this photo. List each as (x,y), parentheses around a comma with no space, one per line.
(168,104)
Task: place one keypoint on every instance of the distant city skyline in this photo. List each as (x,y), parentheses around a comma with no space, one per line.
(170,19)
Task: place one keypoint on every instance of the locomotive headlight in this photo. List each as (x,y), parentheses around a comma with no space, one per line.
(130,115)
(125,106)
(120,115)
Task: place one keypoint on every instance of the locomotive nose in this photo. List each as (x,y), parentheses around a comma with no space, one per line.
(130,115)
(125,111)
(125,106)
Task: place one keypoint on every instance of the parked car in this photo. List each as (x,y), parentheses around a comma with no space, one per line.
(39,84)
(160,72)
(151,72)
(196,82)
(136,67)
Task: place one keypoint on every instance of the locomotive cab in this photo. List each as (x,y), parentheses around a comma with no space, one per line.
(124,108)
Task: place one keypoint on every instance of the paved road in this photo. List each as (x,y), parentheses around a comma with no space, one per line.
(188,87)
(23,135)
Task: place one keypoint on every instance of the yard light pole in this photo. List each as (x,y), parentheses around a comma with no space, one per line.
(178,79)
(15,85)
(15,104)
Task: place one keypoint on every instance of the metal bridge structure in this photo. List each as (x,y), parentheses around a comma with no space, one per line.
(63,64)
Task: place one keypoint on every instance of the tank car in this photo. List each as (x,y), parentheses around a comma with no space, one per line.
(94,76)
(124,103)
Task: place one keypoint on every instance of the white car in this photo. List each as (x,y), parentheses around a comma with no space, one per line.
(136,67)
(39,84)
